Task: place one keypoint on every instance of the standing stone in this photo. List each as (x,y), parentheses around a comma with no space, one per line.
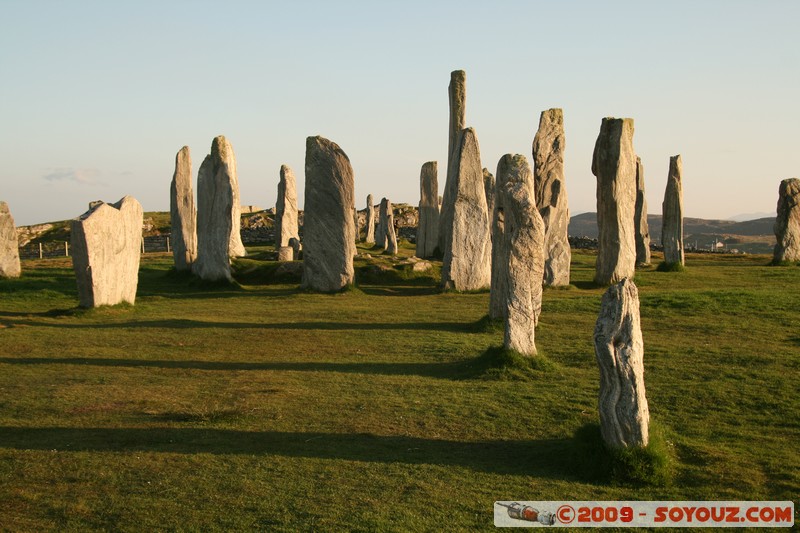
(525,238)
(457,91)
(489,190)
(285,253)
(640,219)
(391,236)
(9,245)
(356,224)
(370,229)
(182,214)
(624,416)
(328,232)
(382,231)
(466,264)
(428,226)
(286,208)
(218,213)
(296,247)
(551,195)
(672,214)
(106,246)
(614,165)
(787,223)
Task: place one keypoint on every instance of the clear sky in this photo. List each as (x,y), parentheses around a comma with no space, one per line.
(96,97)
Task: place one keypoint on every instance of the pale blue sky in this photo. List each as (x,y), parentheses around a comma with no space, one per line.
(97,97)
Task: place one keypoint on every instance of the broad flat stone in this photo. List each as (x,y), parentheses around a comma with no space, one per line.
(286,226)
(328,232)
(787,223)
(640,218)
(672,214)
(551,195)
(428,227)
(183,216)
(624,414)
(9,245)
(614,165)
(106,246)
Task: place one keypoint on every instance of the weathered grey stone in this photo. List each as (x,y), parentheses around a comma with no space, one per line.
(525,238)
(285,253)
(672,214)
(489,189)
(640,219)
(421,266)
(9,245)
(428,226)
(286,208)
(466,263)
(787,223)
(218,216)
(551,195)
(614,165)
(391,236)
(356,227)
(328,232)
(370,229)
(296,248)
(457,92)
(182,214)
(106,246)
(381,229)
(624,416)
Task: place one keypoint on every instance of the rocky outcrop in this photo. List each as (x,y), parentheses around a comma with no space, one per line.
(787,223)
(286,209)
(106,246)
(624,415)
(428,227)
(457,92)
(640,219)
(551,195)
(329,232)
(182,213)
(614,165)
(466,263)
(9,245)
(672,214)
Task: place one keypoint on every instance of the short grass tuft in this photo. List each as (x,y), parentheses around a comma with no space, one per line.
(670,267)
(501,364)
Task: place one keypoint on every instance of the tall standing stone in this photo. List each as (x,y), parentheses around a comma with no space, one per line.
(640,219)
(9,245)
(428,226)
(466,263)
(525,238)
(370,229)
(286,226)
(457,92)
(218,213)
(106,246)
(489,190)
(182,214)
(382,231)
(624,415)
(787,223)
(614,165)
(672,214)
(328,231)
(551,195)
(391,236)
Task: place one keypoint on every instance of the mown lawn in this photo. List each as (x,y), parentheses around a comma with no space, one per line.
(259,406)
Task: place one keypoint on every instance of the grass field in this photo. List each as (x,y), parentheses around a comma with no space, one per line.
(259,406)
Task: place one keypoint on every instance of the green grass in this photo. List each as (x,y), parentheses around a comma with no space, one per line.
(255,405)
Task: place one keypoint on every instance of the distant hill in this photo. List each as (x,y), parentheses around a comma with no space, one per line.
(752,236)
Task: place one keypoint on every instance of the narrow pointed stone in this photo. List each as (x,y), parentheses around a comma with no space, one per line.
(9,245)
(787,223)
(614,165)
(382,231)
(370,229)
(391,236)
(183,216)
(489,190)
(457,93)
(428,226)
(551,195)
(672,214)
(286,225)
(640,219)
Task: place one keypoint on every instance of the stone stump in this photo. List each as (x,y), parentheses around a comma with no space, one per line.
(328,231)
(182,213)
(428,226)
(106,244)
(286,226)
(672,214)
(640,224)
(624,416)
(9,245)
(787,223)
(370,229)
(614,165)
(285,253)
(551,195)
(466,263)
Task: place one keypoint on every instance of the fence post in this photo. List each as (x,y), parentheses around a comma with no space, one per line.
(66,249)
(41,255)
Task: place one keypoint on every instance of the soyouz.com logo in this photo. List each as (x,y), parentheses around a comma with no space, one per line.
(644,514)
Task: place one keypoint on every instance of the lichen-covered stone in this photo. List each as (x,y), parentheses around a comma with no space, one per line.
(457,93)
(614,165)
(672,214)
(183,216)
(640,219)
(9,245)
(551,195)
(286,226)
(328,231)
(428,226)
(106,246)
(787,223)
(624,414)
